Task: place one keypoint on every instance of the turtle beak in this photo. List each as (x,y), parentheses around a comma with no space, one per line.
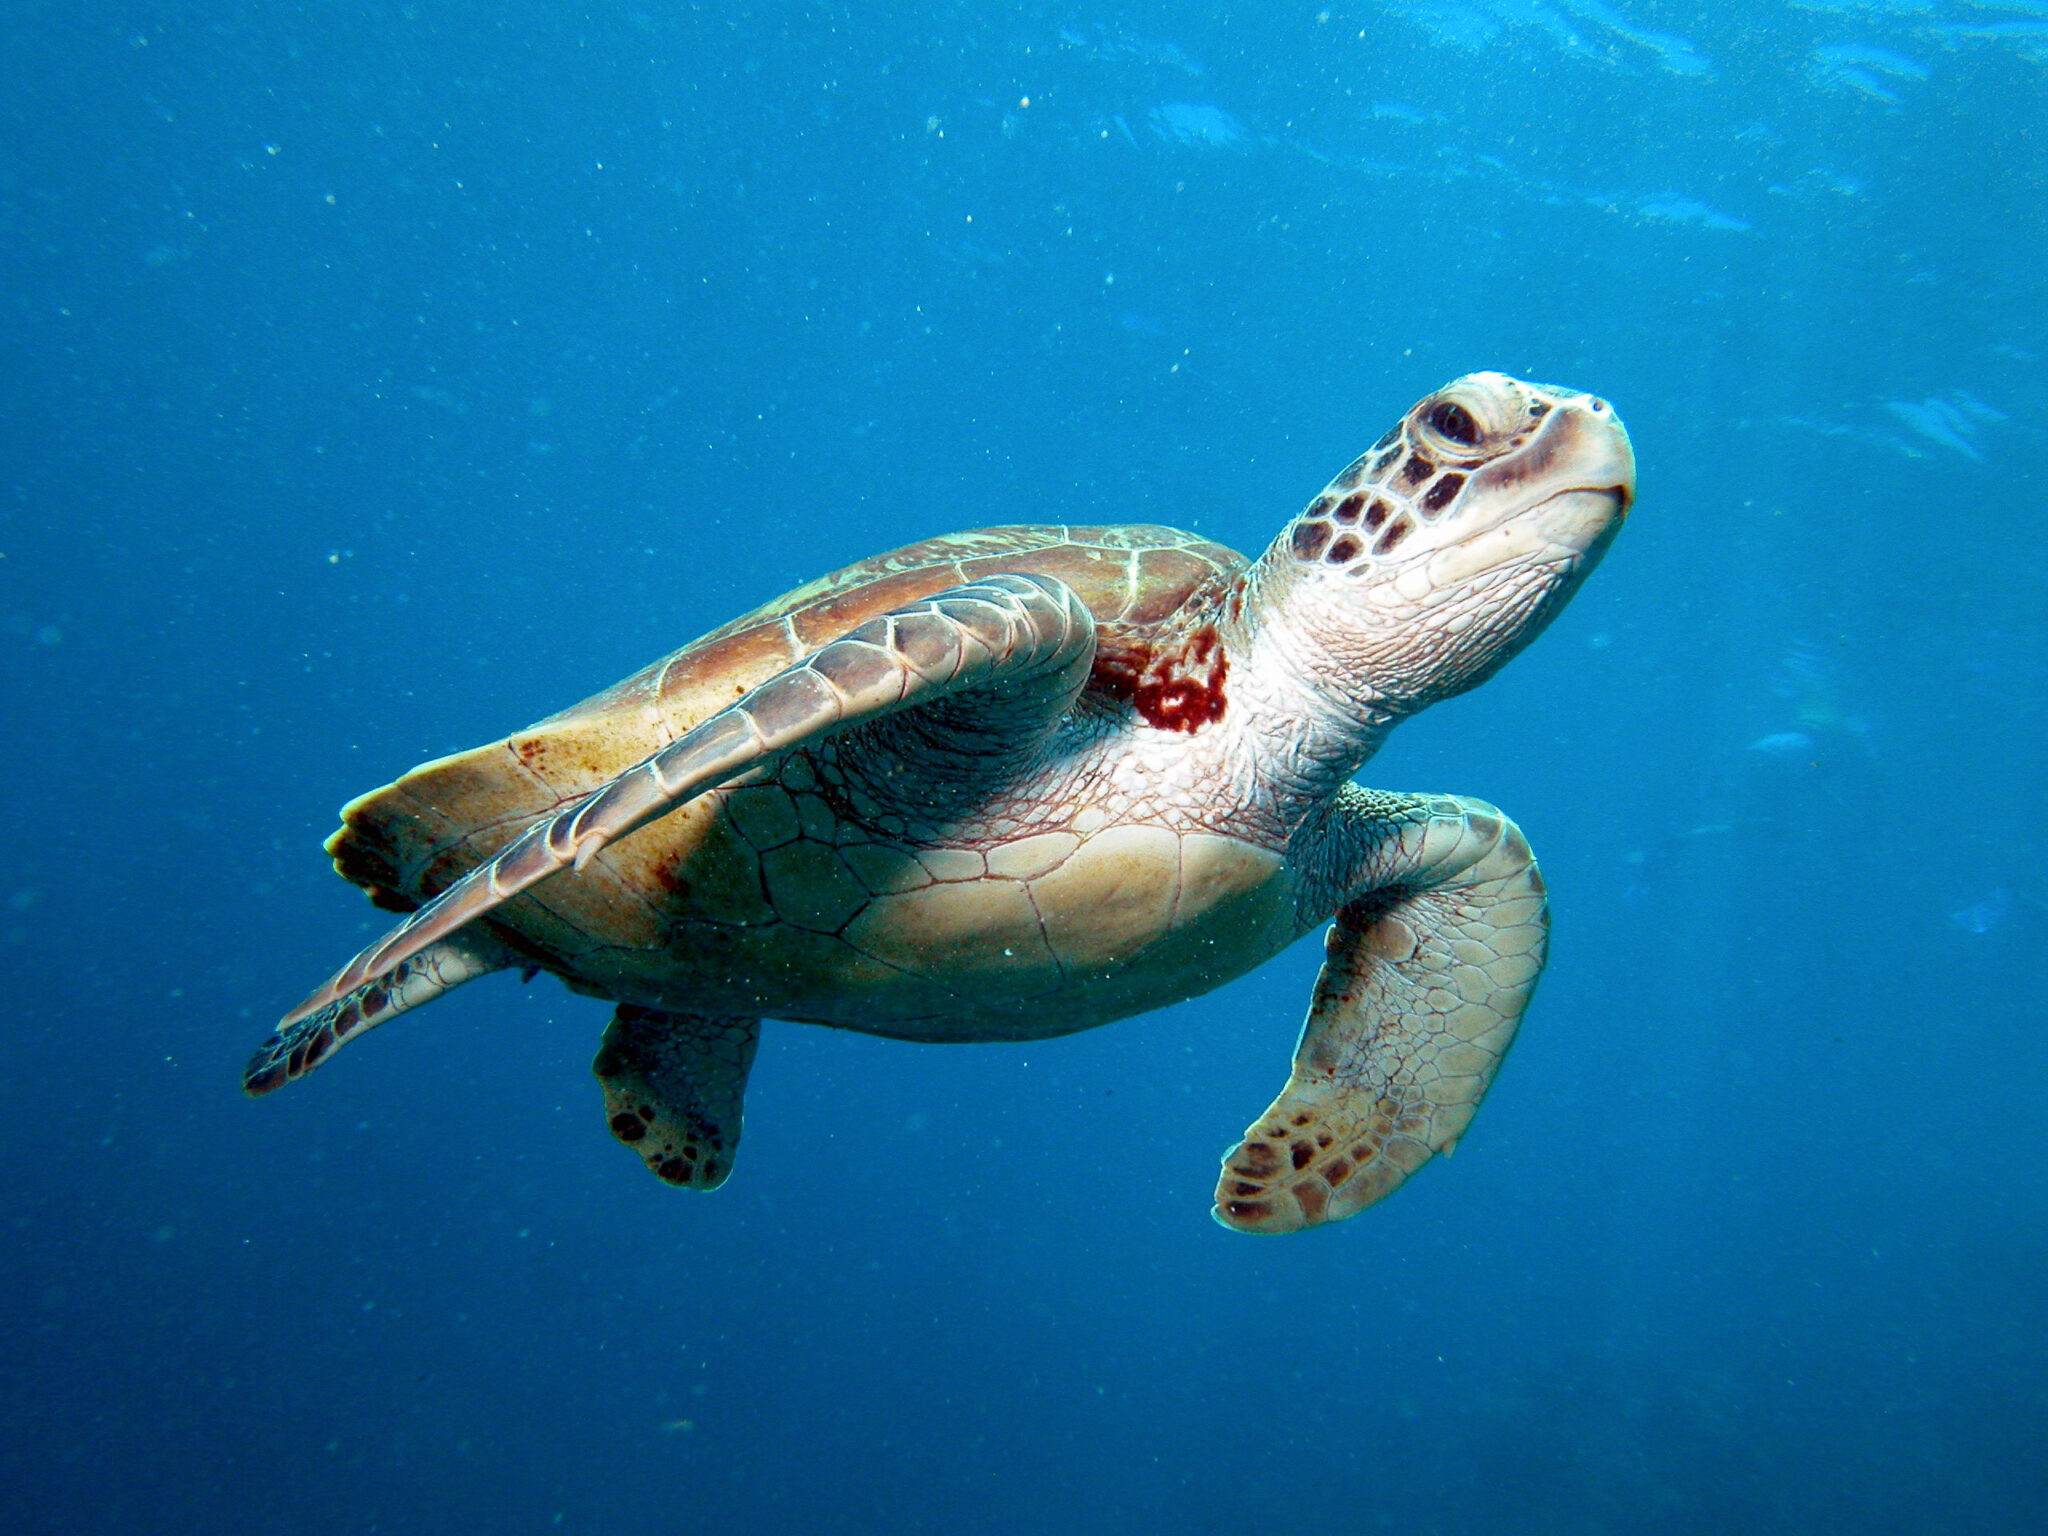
(1607,479)
(1621,457)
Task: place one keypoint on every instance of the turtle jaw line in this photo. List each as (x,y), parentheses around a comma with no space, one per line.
(1558,531)
(1567,524)
(1581,517)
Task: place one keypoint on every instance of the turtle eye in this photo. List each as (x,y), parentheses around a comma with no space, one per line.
(1452,422)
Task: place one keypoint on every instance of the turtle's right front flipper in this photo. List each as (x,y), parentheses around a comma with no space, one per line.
(1430,965)
(1029,637)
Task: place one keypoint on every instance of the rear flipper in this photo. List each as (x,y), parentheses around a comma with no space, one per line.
(300,1046)
(673,1083)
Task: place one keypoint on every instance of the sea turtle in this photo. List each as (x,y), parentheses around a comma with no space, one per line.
(1013,783)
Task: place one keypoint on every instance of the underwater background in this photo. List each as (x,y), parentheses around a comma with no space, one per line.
(381,377)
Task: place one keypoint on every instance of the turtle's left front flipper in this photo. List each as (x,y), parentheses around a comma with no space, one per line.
(301,1044)
(1430,965)
(1023,641)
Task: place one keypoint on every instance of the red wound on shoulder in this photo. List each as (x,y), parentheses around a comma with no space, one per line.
(1175,683)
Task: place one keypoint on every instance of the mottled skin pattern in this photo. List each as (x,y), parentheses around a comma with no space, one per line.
(1014,783)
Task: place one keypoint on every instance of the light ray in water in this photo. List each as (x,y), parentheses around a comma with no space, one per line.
(1952,419)
(1994,911)
(1868,56)
(1196,124)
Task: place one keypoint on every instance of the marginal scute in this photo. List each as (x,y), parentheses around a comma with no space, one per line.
(857,669)
(1112,898)
(1026,858)
(980,938)
(884,868)
(953,864)
(929,644)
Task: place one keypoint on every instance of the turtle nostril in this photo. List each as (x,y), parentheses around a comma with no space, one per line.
(1596,405)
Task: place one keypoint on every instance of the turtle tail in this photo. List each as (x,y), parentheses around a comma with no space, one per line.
(297,1048)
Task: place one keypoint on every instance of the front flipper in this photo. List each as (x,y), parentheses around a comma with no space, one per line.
(300,1044)
(1029,638)
(1429,968)
(673,1083)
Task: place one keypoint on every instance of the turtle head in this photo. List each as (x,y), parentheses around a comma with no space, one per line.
(1429,562)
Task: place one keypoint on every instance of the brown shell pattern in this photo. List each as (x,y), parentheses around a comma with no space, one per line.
(408,840)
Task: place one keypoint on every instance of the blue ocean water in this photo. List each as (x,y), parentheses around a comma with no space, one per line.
(382,377)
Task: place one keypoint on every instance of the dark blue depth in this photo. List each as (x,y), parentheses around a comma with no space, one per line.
(379,378)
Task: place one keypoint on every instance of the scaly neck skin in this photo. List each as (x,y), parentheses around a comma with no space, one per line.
(1302,717)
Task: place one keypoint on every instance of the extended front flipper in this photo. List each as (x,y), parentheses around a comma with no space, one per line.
(1024,641)
(673,1086)
(1430,965)
(303,1041)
